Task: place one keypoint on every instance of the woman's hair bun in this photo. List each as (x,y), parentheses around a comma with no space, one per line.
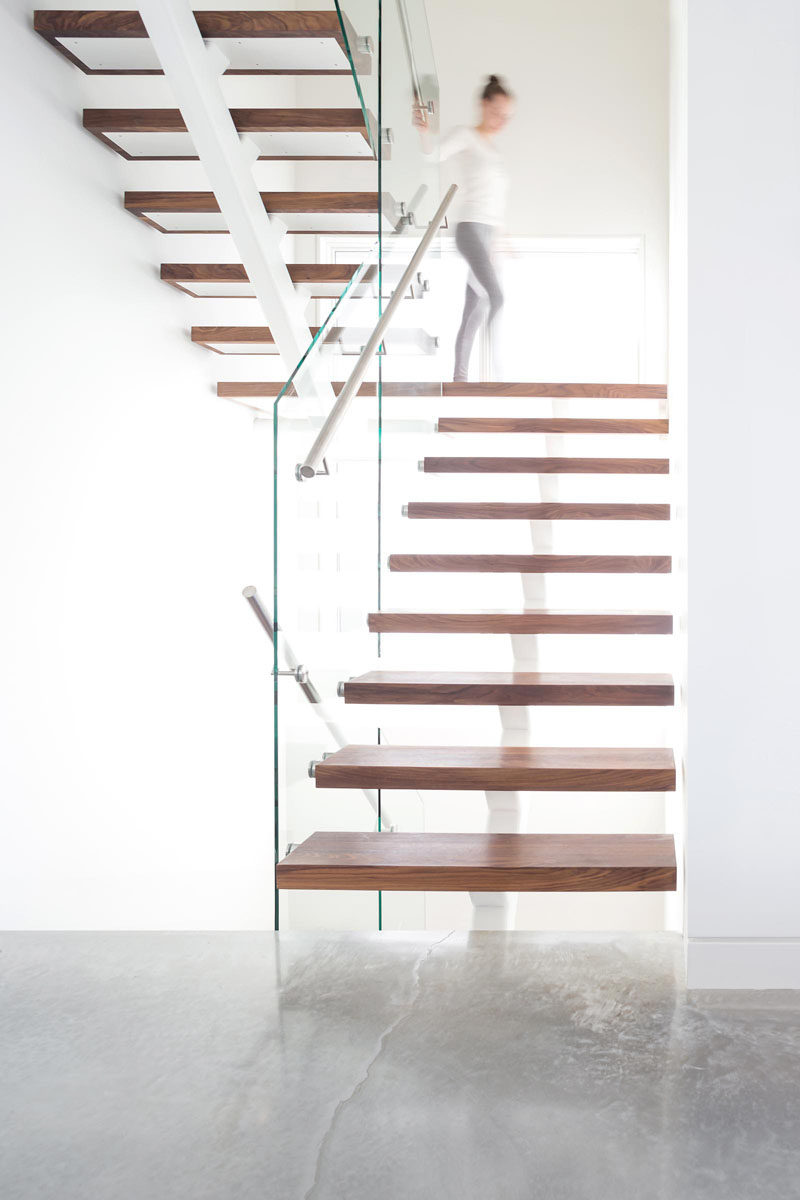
(494,88)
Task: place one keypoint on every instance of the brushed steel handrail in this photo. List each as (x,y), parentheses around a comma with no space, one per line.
(308,468)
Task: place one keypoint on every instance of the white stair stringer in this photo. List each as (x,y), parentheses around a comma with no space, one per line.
(193,72)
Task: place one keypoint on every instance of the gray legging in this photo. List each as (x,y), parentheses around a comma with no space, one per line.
(474,241)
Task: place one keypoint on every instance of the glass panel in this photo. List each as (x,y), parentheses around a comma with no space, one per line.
(329,529)
(360,21)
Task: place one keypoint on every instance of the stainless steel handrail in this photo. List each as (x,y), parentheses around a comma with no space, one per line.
(311,694)
(308,468)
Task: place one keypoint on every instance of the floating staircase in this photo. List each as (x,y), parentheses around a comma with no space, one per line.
(499,860)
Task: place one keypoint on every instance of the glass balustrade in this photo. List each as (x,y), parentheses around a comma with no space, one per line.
(329,571)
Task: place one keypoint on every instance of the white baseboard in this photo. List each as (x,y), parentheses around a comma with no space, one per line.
(743,963)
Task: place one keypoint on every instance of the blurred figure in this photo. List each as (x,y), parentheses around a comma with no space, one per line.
(481,206)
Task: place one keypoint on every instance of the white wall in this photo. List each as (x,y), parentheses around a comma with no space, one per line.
(744,432)
(588,148)
(135,727)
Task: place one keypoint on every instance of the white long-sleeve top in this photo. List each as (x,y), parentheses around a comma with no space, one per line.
(482,178)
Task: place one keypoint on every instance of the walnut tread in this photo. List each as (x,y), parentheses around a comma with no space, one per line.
(288,202)
(547,466)
(599,391)
(186,276)
(551,425)
(508,688)
(530,621)
(534,564)
(499,768)
(481,862)
(242,24)
(104,123)
(147,206)
(555,511)
(212,337)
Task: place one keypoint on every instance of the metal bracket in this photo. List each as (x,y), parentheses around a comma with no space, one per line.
(301,472)
(300,673)
(364,45)
(312,766)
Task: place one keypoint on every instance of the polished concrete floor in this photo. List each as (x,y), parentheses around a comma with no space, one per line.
(388,1067)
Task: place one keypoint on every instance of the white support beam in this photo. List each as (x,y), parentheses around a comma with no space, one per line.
(194,72)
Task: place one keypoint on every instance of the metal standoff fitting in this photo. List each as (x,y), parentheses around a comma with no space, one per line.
(364,45)
(312,768)
(404,510)
(340,688)
(300,673)
(421,465)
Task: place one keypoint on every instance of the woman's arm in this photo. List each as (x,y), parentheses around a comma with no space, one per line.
(452,143)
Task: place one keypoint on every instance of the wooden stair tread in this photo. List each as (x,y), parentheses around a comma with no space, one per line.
(490,510)
(321,281)
(499,768)
(524,621)
(547,466)
(359,208)
(299,202)
(70,30)
(107,123)
(214,336)
(508,688)
(631,391)
(492,862)
(551,425)
(533,564)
